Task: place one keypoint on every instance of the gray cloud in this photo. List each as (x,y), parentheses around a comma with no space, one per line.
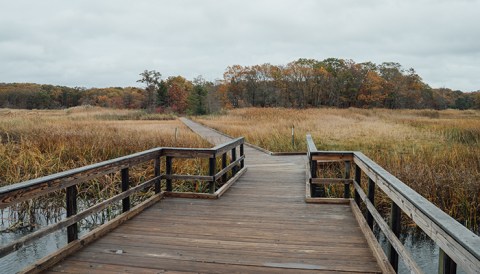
(108,43)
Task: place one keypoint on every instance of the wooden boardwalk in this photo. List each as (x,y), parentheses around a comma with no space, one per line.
(261,225)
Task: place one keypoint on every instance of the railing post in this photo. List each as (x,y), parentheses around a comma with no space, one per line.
(71,206)
(445,264)
(211,171)
(125,186)
(242,162)
(313,174)
(234,158)
(371,197)
(168,170)
(158,186)
(224,165)
(396,226)
(358,179)
(346,193)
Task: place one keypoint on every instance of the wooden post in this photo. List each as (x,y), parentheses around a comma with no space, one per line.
(358,179)
(313,172)
(234,158)
(158,186)
(212,166)
(371,197)
(169,172)
(346,193)
(242,163)
(72,230)
(396,226)
(224,165)
(445,264)
(125,186)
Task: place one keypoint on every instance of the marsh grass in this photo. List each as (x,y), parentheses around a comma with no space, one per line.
(39,143)
(437,153)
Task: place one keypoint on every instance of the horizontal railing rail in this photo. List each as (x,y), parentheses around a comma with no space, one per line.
(69,180)
(458,245)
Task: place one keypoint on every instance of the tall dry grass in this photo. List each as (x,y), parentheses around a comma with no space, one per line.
(39,143)
(437,153)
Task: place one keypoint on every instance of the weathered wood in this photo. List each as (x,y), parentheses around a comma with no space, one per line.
(445,264)
(358,179)
(326,181)
(156,168)
(191,195)
(211,171)
(346,193)
(220,149)
(392,238)
(371,240)
(187,152)
(242,155)
(230,182)
(395,226)
(17,244)
(234,159)
(33,188)
(324,200)
(71,206)
(187,177)
(168,172)
(371,198)
(310,144)
(224,166)
(93,235)
(229,167)
(125,186)
(462,245)
(339,156)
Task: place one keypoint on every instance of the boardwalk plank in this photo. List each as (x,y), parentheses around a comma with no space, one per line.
(261,225)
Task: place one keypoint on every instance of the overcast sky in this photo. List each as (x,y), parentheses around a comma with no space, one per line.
(108,43)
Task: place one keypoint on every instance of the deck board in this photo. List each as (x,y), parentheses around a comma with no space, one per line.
(260,225)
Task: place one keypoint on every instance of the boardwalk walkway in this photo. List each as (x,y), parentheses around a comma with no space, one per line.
(260,225)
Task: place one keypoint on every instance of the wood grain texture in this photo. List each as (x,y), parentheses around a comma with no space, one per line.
(260,225)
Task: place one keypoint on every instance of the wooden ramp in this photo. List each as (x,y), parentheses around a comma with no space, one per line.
(261,225)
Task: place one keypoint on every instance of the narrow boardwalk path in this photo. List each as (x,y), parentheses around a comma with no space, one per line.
(260,225)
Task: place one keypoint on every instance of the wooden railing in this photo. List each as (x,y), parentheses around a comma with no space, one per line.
(458,245)
(70,180)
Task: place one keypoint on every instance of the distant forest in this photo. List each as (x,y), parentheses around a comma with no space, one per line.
(304,83)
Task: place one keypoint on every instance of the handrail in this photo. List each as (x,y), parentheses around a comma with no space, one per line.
(69,180)
(458,244)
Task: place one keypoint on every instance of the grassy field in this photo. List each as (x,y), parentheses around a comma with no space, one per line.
(437,153)
(39,143)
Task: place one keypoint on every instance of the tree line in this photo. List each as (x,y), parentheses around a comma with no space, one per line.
(303,83)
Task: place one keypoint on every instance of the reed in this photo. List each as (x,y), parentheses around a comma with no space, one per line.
(39,143)
(437,153)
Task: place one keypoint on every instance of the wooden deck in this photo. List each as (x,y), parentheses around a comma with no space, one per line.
(261,225)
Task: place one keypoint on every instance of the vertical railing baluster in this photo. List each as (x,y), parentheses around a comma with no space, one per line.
(168,171)
(125,186)
(158,186)
(371,197)
(358,179)
(346,192)
(396,226)
(313,172)
(242,162)
(224,165)
(234,158)
(445,264)
(212,166)
(71,206)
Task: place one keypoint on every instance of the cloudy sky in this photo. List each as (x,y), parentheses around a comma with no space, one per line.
(104,43)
